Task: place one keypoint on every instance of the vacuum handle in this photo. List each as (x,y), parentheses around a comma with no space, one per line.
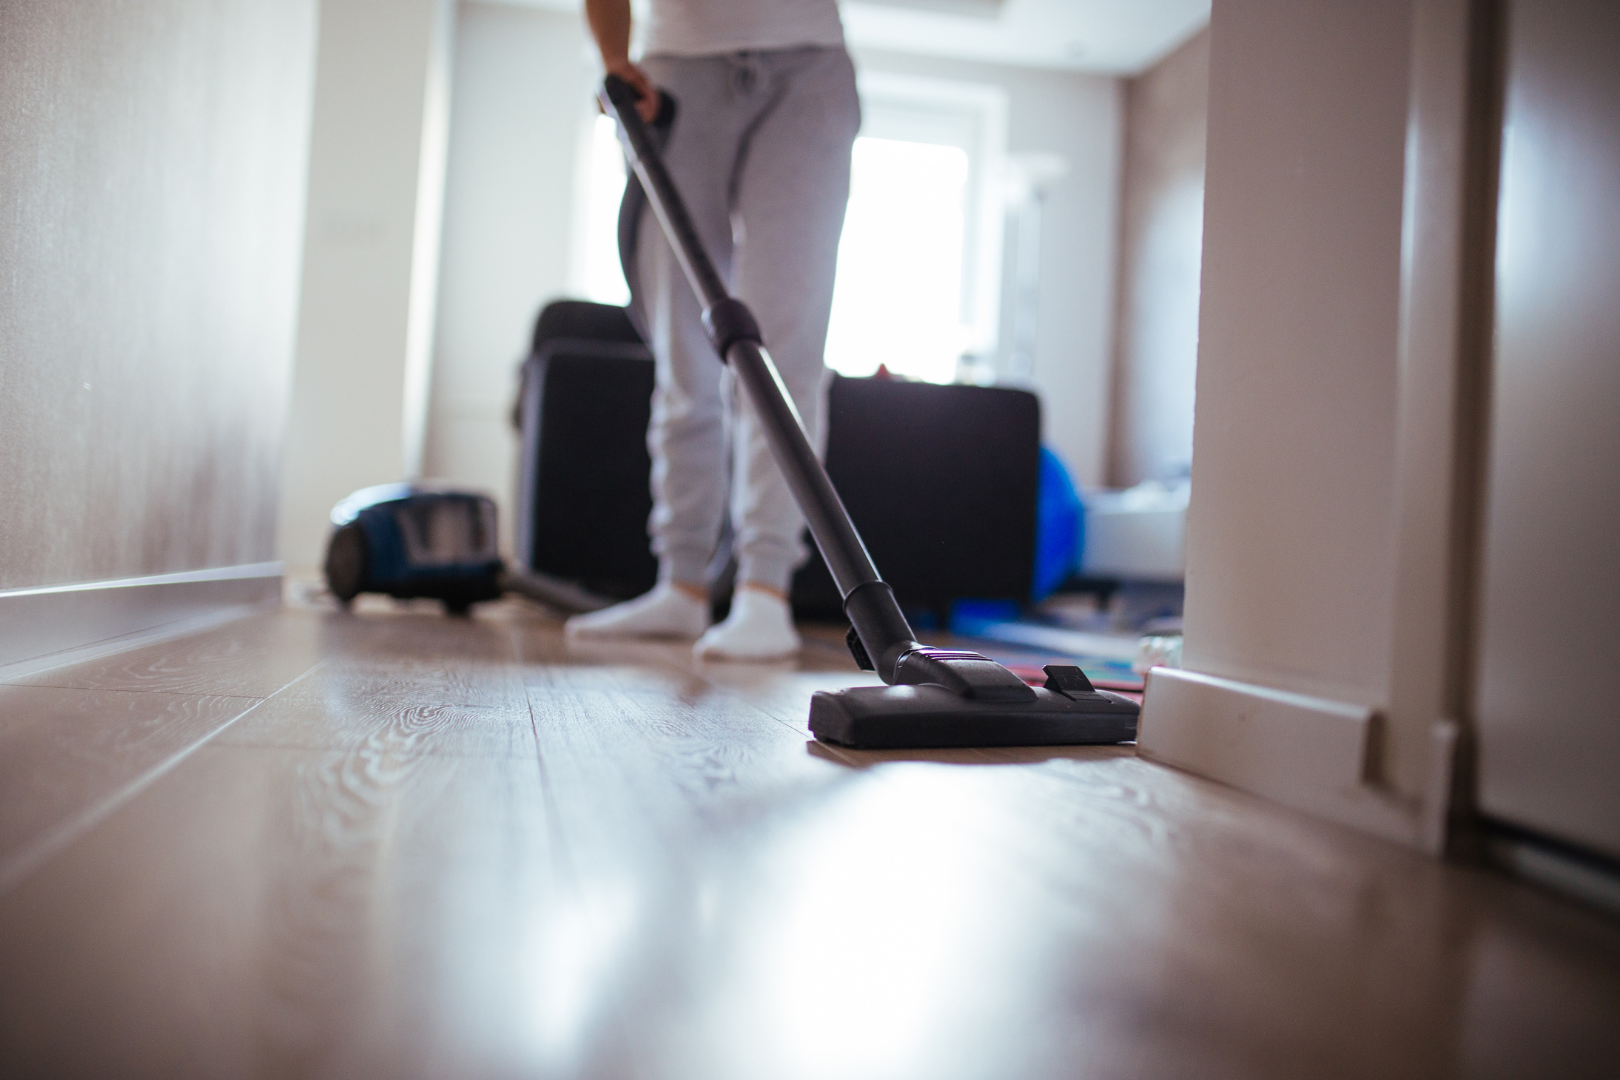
(868,601)
(620,102)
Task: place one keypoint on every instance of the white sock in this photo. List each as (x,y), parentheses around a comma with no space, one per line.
(665,612)
(760,627)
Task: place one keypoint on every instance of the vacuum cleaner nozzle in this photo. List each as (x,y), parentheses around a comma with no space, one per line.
(936,697)
(1065,711)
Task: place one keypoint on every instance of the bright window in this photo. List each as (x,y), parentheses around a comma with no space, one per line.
(898,300)
(596,272)
(919,267)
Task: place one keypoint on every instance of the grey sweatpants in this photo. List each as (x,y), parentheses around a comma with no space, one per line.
(760,149)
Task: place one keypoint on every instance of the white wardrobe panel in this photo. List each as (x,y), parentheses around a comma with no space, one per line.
(1547,689)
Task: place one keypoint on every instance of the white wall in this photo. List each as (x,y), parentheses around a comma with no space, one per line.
(1308,491)
(1289,556)
(1077,116)
(522,89)
(370,253)
(152,163)
(1161,239)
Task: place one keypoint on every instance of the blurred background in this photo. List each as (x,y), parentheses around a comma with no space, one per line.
(1026,211)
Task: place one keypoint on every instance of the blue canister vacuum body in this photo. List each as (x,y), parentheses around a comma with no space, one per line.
(414,540)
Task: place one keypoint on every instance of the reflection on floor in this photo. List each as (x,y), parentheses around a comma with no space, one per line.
(394,844)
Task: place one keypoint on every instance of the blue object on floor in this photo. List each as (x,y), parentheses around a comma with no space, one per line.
(1059,526)
(970,617)
(411,540)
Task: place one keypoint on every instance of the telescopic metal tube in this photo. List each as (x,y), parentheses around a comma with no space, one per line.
(846,556)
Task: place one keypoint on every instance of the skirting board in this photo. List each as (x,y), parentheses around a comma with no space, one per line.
(52,619)
(1306,752)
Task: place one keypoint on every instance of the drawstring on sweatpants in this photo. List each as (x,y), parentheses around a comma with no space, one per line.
(745,73)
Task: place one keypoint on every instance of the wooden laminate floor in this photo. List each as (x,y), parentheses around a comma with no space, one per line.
(394,844)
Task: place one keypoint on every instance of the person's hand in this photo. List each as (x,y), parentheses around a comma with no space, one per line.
(647,93)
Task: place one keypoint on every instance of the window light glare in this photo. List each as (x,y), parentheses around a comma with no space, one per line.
(603,277)
(898,299)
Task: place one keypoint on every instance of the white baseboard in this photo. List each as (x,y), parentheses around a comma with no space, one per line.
(1306,752)
(40,622)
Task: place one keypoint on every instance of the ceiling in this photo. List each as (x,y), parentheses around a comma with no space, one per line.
(1114,37)
(1117,37)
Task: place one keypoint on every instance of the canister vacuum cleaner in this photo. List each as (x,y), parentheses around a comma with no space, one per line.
(421,540)
(934,697)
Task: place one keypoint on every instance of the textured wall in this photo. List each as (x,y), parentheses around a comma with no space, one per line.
(1290,562)
(151,197)
(1161,243)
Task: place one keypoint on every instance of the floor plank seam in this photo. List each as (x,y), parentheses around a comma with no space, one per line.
(742,698)
(145,690)
(739,696)
(441,755)
(561,859)
(56,840)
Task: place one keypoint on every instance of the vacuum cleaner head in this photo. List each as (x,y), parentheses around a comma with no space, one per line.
(935,697)
(1065,711)
(413,540)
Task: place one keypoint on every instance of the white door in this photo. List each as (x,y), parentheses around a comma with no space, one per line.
(1547,683)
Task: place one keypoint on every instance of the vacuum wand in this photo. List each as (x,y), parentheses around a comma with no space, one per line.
(935,697)
(879,625)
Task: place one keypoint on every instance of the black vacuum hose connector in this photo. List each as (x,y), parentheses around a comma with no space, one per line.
(879,627)
(729,322)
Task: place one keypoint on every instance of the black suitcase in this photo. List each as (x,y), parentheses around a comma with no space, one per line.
(940,480)
(583,498)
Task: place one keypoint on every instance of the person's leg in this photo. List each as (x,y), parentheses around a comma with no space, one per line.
(792,191)
(686,436)
(792,188)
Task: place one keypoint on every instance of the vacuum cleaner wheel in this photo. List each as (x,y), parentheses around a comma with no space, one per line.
(347,564)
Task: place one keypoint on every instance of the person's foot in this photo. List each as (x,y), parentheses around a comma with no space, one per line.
(760,627)
(668,611)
